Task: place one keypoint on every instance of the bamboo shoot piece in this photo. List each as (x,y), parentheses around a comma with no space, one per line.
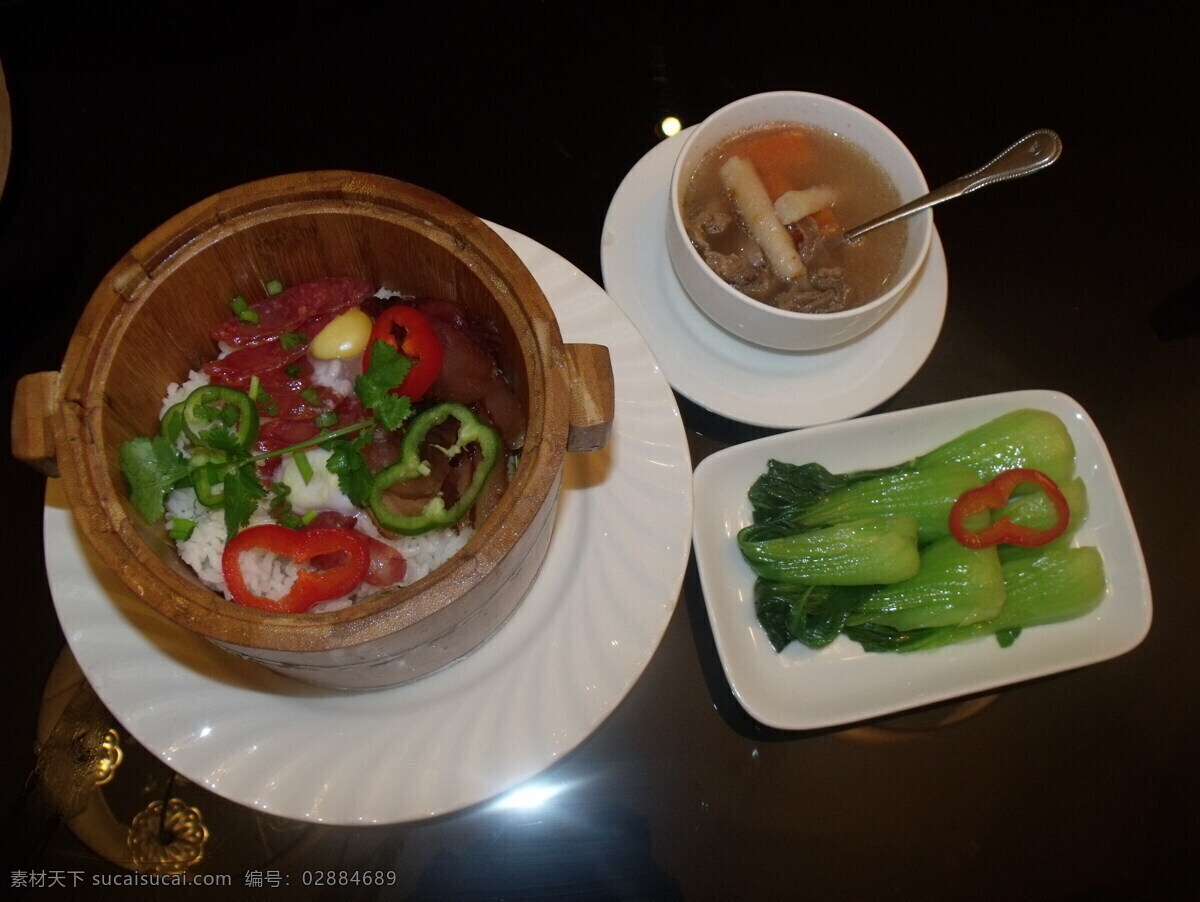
(753,205)
(792,206)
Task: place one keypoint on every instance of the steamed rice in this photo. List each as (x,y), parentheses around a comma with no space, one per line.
(272,575)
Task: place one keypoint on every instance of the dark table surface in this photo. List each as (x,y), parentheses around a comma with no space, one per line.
(1081,279)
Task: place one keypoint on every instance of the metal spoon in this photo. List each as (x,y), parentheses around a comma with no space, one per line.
(1033,152)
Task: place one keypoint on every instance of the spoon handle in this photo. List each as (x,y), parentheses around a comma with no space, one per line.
(1035,151)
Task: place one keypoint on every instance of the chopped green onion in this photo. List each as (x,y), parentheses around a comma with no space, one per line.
(303,465)
(205,413)
(266,404)
(254,388)
(293,370)
(308,517)
(281,508)
(310,395)
(203,457)
(326,419)
(274,287)
(242,310)
(181,529)
(289,341)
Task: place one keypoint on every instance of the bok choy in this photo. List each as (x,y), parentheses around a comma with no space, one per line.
(955,586)
(1056,585)
(870,554)
(872,550)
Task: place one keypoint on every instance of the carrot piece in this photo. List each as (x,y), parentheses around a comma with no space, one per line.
(777,156)
(827,221)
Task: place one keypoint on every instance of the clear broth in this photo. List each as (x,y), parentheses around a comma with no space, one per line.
(863,190)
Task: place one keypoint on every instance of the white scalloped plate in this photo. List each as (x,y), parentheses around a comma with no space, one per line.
(526,697)
(802,688)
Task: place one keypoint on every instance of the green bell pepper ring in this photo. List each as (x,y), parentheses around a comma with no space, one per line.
(209,483)
(208,476)
(172,423)
(217,416)
(435,513)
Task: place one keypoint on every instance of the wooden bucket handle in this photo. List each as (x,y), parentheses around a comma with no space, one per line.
(34,403)
(592,396)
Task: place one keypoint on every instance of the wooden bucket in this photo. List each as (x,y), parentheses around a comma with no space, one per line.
(149,322)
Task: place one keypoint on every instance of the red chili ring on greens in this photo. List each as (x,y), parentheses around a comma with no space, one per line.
(409,331)
(345,550)
(993,496)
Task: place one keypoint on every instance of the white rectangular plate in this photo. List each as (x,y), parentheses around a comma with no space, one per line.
(803,688)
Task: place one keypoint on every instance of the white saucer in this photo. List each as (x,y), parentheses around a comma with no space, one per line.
(742,381)
(483,725)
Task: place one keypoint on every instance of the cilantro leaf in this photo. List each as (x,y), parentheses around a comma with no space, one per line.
(354,477)
(152,466)
(220,438)
(392,411)
(387,370)
(241,492)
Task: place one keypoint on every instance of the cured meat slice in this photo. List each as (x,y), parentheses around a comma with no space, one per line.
(292,308)
(237,368)
(276,434)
